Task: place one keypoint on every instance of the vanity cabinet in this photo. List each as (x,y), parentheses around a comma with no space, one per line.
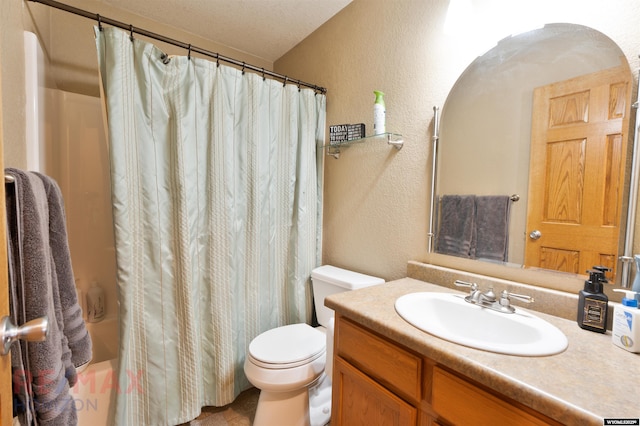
(379,382)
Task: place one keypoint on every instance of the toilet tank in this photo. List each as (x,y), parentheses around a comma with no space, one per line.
(327,280)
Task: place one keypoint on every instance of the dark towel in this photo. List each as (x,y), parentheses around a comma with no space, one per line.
(49,361)
(23,406)
(78,337)
(492,227)
(455,233)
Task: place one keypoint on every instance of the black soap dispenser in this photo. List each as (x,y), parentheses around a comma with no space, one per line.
(593,303)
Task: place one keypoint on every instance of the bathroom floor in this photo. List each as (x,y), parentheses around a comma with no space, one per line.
(239,413)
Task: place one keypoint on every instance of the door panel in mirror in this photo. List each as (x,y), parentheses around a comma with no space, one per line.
(578,151)
(486,124)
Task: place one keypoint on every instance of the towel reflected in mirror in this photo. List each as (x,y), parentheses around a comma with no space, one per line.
(474,227)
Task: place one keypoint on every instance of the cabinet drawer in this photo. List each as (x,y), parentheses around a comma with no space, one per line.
(460,402)
(395,368)
(358,400)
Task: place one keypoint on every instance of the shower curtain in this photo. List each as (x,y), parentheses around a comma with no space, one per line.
(216,197)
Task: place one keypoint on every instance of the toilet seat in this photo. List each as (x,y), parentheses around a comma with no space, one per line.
(288,346)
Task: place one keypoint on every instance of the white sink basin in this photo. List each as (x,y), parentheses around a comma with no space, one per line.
(450,317)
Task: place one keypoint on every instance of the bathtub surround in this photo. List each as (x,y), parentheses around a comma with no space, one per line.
(216,192)
(94,392)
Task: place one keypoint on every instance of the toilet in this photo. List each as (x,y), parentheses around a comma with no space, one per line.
(292,364)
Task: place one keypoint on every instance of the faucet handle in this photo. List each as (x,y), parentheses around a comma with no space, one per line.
(521,297)
(460,283)
(505,300)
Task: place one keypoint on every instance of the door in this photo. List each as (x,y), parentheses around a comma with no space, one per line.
(576,181)
(6,398)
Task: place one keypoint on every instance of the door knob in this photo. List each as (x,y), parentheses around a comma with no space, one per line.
(35,330)
(535,234)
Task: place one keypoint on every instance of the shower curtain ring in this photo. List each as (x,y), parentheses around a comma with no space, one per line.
(264,77)
(217,60)
(130,32)
(99,22)
(189,52)
(243,65)
(284,84)
(299,88)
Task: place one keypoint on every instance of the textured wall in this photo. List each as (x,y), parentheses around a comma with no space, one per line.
(377,199)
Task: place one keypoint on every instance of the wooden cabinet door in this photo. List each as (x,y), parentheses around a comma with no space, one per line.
(359,401)
(576,177)
(459,402)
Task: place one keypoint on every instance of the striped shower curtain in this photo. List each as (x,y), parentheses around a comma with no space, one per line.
(217,209)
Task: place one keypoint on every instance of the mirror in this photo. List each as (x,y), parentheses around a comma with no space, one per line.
(486,121)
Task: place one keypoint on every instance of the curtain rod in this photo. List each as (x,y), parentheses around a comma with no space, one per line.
(104,20)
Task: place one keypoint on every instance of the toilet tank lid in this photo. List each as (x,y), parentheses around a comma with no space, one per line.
(344,278)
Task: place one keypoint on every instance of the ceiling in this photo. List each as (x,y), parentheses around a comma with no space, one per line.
(270,28)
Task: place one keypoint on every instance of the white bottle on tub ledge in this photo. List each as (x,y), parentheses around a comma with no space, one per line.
(95,303)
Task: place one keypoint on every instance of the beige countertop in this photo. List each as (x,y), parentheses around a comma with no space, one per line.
(588,382)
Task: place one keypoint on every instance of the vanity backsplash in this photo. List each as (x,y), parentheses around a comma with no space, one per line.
(552,302)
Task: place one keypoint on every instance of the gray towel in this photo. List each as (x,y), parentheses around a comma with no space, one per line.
(49,361)
(23,403)
(491,239)
(78,338)
(455,233)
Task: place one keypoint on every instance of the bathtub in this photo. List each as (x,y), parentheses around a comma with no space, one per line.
(93,393)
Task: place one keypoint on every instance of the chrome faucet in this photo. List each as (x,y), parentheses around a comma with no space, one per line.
(489,300)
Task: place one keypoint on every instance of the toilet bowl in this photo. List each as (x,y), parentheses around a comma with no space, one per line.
(291,365)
